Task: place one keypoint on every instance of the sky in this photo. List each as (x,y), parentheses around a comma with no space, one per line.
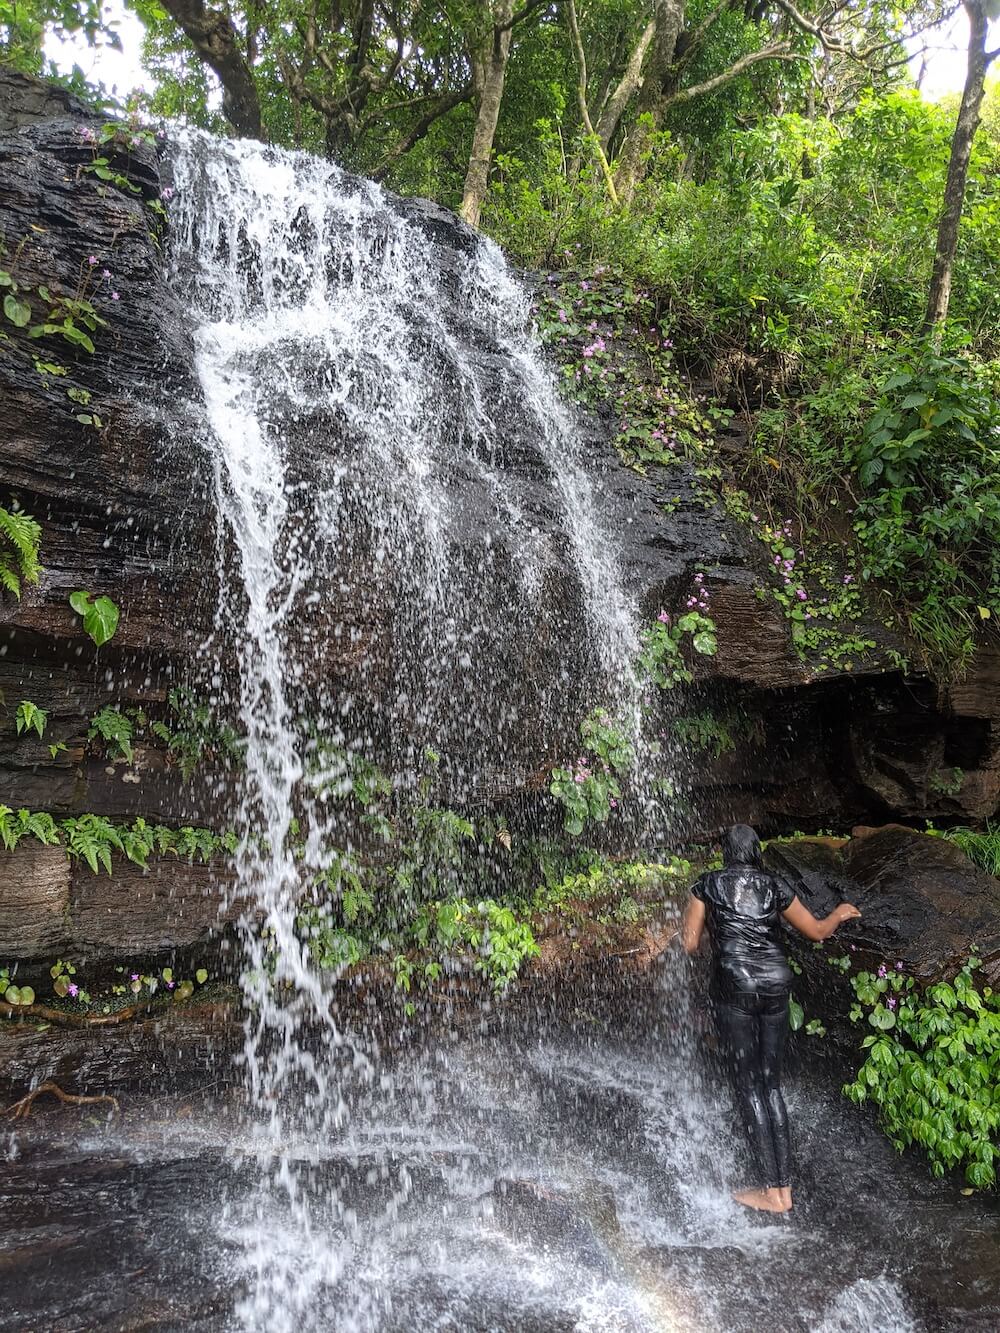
(121,71)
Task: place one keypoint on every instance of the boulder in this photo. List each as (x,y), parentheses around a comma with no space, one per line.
(923,902)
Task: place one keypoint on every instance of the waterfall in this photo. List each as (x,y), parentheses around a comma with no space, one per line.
(412,550)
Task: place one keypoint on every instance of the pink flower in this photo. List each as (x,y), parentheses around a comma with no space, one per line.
(73,989)
(134,976)
(105,273)
(891,1002)
(579,778)
(114,296)
(92,260)
(562,316)
(663,618)
(613,803)
(800,593)
(167,192)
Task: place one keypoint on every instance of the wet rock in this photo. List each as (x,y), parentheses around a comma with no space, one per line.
(545,1217)
(35,901)
(923,902)
(170,904)
(176,1047)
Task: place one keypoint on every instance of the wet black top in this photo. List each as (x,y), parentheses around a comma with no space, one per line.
(743,912)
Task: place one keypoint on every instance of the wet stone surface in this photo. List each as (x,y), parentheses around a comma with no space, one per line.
(566,1183)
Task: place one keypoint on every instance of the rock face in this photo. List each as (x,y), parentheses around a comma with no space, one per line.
(125,513)
(923,904)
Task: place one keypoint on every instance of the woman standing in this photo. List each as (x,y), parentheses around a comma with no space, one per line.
(751,981)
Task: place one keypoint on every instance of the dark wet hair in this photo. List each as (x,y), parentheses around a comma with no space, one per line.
(741,846)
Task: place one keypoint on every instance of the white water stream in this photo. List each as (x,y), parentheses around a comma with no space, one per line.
(352,389)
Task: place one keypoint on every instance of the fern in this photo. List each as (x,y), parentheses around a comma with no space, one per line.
(25,823)
(30,717)
(138,842)
(20,537)
(92,839)
(115,730)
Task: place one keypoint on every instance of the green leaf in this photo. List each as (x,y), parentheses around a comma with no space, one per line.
(18,312)
(796,1014)
(201,976)
(882,1018)
(100,618)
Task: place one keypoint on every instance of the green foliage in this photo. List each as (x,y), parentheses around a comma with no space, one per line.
(929,522)
(100,616)
(95,840)
(11,993)
(191,732)
(591,788)
(72,318)
(710,732)
(662,658)
(115,731)
(946,782)
(500,941)
(29,717)
(793,273)
(933,1067)
(980,846)
(20,538)
(64,985)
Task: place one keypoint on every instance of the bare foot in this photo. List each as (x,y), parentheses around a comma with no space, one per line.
(765,1201)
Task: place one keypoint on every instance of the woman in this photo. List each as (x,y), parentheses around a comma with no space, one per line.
(751,981)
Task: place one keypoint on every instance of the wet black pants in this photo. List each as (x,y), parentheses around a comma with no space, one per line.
(752,1030)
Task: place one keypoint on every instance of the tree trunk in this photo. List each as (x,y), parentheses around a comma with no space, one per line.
(668,16)
(216,41)
(489,70)
(628,86)
(581,97)
(958,169)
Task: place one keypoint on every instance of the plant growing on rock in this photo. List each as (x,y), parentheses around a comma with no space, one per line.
(591,788)
(114,729)
(100,615)
(933,1067)
(20,538)
(95,840)
(661,659)
(30,717)
(11,993)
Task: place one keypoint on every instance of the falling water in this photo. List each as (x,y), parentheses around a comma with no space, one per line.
(407,520)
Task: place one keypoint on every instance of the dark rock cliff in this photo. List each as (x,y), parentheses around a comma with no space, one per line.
(124,512)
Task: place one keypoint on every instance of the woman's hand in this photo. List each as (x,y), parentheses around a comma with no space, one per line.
(799,916)
(845,912)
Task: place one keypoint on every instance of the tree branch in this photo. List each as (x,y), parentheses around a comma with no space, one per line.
(420,129)
(776,51)
(581,96)
(216,41)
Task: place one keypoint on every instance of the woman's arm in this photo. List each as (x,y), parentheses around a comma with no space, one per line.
(693,924)
(799,916)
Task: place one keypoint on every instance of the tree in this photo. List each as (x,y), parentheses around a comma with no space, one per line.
(489,45)
(215,39)
(979,13)
(24,25)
